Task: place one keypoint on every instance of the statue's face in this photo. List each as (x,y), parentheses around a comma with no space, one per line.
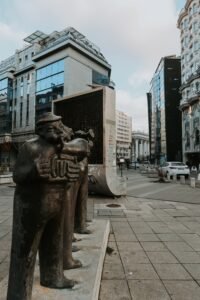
(52,131)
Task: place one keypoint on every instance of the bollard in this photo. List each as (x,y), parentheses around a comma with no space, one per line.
(192,182)
(182,179)
(174,178)
(168,177)
(198,177)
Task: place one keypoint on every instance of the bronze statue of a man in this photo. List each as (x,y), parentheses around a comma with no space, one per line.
(81,186)
(42,175)
(77,194)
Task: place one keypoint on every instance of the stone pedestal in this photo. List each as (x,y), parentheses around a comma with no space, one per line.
(91,254)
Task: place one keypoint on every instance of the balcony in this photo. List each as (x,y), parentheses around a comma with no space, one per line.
(183,104)
(198,70)
(193,99)
(190,79)
(197,93)
(184,85)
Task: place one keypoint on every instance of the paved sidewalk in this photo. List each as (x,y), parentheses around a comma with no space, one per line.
(156,250)
(6,202)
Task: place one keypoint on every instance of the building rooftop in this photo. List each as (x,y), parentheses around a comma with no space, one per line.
(70,33)
(47,41)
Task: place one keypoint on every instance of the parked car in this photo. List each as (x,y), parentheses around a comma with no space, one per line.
(175,168)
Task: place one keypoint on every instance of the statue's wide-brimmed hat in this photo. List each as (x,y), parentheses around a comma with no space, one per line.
(48,117)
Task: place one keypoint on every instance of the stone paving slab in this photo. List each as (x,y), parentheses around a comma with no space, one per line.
(140,271)
(183,290)
(114,289)
(172,271)
(148,290)
(157,257)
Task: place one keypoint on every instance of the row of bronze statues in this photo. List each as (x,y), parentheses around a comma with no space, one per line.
(50,204)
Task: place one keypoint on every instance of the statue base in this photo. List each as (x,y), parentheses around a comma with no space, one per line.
(91,254)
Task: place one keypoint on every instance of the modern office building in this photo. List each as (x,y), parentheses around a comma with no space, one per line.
(189,25)
(140,146)
(123,135)
(163,102)
(49,67)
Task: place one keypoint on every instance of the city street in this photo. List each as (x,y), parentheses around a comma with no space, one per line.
(148,188)
(154,245)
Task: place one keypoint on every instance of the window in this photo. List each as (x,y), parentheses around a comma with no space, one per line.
(195,27)
(192,69)
(21,112)
(197,136)
(27,111)
(99,78)
(185,23)
(186,41)
(28,84)
(26,57)
(3,88)
(196,46)
(3,83)
(195,9)
(51,69)
(11,104)
(21,90)
(197,86)
(14,121)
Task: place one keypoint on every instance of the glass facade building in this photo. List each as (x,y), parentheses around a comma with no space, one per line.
(164,116)
(49,67)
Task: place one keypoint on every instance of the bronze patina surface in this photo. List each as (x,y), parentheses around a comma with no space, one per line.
(47,168)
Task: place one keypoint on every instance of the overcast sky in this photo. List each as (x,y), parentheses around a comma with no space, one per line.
(133,35)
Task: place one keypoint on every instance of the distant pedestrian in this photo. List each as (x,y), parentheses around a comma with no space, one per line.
(194,169)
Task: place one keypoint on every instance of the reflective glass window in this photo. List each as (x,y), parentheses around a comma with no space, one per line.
(55,68)
(50,69)
(49,86)
(3,83)
(49,82)
(50,76)
(39,74)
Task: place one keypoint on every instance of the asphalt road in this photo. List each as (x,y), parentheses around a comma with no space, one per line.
(141,186)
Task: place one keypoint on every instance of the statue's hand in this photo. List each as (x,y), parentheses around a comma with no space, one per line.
(73,171)
(43,168)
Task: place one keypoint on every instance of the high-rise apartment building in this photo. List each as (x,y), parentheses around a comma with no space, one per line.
(163,111)
(49,67)
(123,135)
(189,25)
